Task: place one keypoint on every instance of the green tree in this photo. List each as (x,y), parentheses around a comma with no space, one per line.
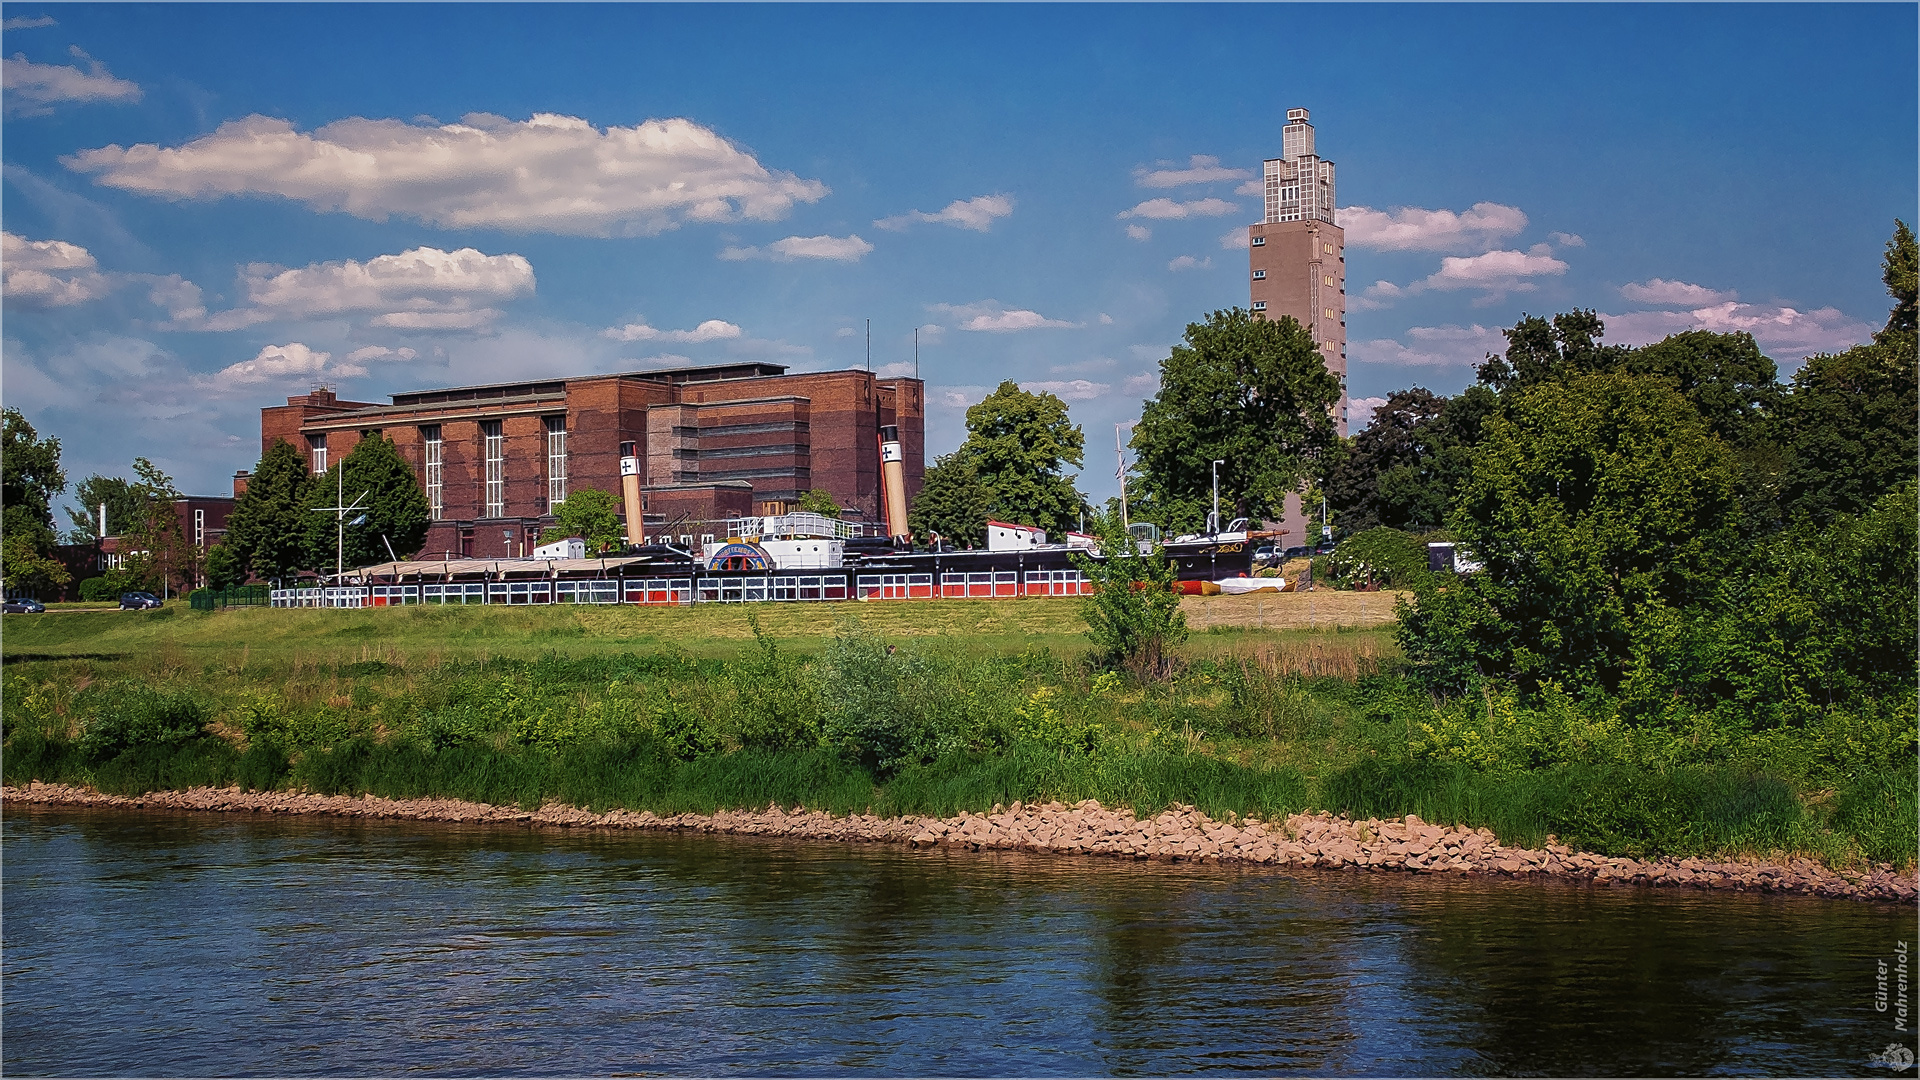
(1251,393)
(123,505)
(1849,427)
(1816,621)
(1601,507)
(267,532)
(1133,615)
(819,501)
(30,476)
(375,476)
(1403,470)
(158,555)
(1540,351)
(224,567)
(591,515)
(1900,269)
(952,502)
(1020,445)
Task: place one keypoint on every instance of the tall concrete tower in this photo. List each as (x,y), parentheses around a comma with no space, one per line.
(1297,256)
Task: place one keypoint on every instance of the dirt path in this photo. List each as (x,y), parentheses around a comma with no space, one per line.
(1320,609)
(1178,834)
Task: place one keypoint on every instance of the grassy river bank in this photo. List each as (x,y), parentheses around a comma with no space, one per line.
(1283,705)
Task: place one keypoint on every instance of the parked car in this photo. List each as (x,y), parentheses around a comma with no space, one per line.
(26,605)
(135,601)
(1295,553)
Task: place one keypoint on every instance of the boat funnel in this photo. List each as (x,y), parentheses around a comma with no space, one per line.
(893,472)
(630,492)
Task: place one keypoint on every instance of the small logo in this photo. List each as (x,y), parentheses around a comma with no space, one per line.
(1896,1056)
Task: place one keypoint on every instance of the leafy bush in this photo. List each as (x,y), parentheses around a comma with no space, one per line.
(138,717)
(1379,556)
(776,706)
(1133,614)
(867,712)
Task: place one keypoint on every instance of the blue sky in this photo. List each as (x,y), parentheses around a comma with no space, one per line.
(210,207)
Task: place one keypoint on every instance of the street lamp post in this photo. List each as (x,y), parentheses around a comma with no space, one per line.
(1213,524)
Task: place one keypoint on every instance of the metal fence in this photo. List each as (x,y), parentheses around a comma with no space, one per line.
(238,596)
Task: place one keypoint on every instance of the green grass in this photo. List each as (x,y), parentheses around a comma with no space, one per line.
(677,710)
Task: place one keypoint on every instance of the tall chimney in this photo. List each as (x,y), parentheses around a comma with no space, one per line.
(893,470)
(630,492)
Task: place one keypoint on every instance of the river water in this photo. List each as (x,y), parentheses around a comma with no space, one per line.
(205,944)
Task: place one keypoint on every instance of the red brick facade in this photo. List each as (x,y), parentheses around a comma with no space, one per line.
(713,442)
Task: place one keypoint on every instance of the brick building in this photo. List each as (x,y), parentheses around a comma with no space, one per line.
(1297,256)
(713,442)
(1297,265)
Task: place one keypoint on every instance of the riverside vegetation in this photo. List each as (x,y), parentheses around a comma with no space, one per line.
(915,709)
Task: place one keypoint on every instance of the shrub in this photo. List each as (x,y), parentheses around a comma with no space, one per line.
(1379,556)
(1133,614)
(140,717)
(775,705)
(866,712)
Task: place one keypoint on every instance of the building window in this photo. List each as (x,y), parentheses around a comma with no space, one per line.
(1329,312)
(1258,241)
(1328,248)
(556,461)
(1328,280)
(1259,275)
(436,504)
(200,528)
(317,446)
(496,456)
(1259,305)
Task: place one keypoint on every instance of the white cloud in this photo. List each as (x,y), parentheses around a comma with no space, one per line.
(1675,293)
(28,22)
(1200,169)
(421,289)
(841,249)
(711,330)
(1567,239)
(956,398)
(1148,383)
(665,360)
(1496,273)
(1170,210)
(1083,367)
(1106,319)
(1496,270)
(1433,346)
(846,332)
(1781,331)
(1139,232)
(1188,262)
(33,89)
(1068,390)
(1360,411)
(991,316)
(1255,187)
(976,213)
(180,298)
(48,273)
(464,319)
(279,363)
(379,352)
(1410,228)
(899,369)
(551,173)
(932,333)
(1235,240)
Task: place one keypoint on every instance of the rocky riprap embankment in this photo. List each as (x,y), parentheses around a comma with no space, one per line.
(1178,834)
